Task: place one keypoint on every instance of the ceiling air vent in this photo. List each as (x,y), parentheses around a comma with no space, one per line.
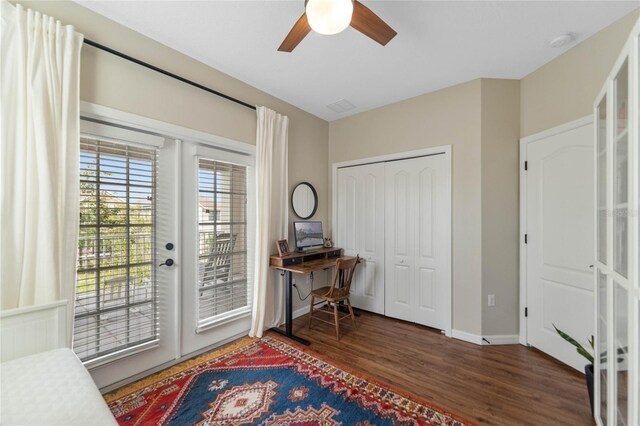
(341,106)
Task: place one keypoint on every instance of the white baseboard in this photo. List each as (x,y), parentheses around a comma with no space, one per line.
(504,339)
(300,312)
(467,337)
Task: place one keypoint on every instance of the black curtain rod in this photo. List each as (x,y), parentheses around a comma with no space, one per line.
(167,73)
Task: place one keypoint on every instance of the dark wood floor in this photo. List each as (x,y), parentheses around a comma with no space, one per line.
(497,385)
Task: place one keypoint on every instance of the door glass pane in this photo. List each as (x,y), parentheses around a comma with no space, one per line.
(115,302)
(601,345)
(621,358)
(621,173)
(222,226)
(602,180)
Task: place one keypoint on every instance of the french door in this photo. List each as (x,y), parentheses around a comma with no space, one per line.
(617,116)
(218,233)
(165,250)
(124,310)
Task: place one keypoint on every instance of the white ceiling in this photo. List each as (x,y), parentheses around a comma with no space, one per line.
(439,44)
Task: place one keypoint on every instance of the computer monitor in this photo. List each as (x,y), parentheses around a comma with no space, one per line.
(309,235)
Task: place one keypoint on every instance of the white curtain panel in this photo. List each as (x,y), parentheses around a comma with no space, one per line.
(272,189)
(39,157)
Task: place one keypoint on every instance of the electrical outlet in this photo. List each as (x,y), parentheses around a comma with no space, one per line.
(491,300)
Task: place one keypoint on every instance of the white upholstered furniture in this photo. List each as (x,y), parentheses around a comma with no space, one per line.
(42,382)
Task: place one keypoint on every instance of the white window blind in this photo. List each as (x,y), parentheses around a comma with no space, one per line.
(115,304)
(223,287)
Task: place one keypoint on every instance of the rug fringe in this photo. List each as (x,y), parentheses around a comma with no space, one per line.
(156,377)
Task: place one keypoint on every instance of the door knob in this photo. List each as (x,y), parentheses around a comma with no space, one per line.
(168,262)
(169,246)
(402,261)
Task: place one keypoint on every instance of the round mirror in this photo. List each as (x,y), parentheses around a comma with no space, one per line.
(304,200)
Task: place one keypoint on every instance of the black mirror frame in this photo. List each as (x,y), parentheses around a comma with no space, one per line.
(315,198)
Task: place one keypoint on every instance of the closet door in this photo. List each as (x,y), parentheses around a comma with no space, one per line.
(360,231)
(417,241)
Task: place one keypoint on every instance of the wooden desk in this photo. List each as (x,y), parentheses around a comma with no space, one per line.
(301,263)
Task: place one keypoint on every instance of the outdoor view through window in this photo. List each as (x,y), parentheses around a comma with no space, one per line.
(115,303)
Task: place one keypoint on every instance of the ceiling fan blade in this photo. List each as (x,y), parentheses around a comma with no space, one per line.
(370,24)
(295,36)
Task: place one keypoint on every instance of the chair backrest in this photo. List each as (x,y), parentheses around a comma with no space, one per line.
(113,289)
(345,268)
(224,246)
(218,266)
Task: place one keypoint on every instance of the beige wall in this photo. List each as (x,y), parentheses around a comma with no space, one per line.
(500,221)
(480,119)
(565,88)
(446,117)
(116,83)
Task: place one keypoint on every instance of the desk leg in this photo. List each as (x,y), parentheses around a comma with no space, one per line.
(289,313)
(288,298)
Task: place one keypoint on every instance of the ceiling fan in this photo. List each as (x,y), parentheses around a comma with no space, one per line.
(333,16)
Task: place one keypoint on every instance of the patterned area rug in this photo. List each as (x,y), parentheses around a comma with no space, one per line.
(267,382)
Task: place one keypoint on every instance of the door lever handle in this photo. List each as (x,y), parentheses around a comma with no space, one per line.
(168,262)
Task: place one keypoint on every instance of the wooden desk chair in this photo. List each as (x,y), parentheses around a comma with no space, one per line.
(218,264)
(338,292)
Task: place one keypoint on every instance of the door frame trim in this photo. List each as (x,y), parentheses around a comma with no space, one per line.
(446,150)
(115,117)
(524,142)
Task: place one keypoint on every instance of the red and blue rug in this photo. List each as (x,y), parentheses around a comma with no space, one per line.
(267,382)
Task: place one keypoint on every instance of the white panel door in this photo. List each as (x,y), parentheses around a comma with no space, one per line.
(417,250)
(399,215)
(360,231)
(559,224)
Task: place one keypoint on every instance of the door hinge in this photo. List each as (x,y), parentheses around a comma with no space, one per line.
(525,238)
(526,312)
(526,165)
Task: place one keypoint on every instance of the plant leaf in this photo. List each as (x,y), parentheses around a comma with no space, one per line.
(585,354)
(581,350)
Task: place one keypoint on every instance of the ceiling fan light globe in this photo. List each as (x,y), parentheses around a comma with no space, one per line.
(329,16)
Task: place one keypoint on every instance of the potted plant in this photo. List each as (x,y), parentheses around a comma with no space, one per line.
(588,369)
